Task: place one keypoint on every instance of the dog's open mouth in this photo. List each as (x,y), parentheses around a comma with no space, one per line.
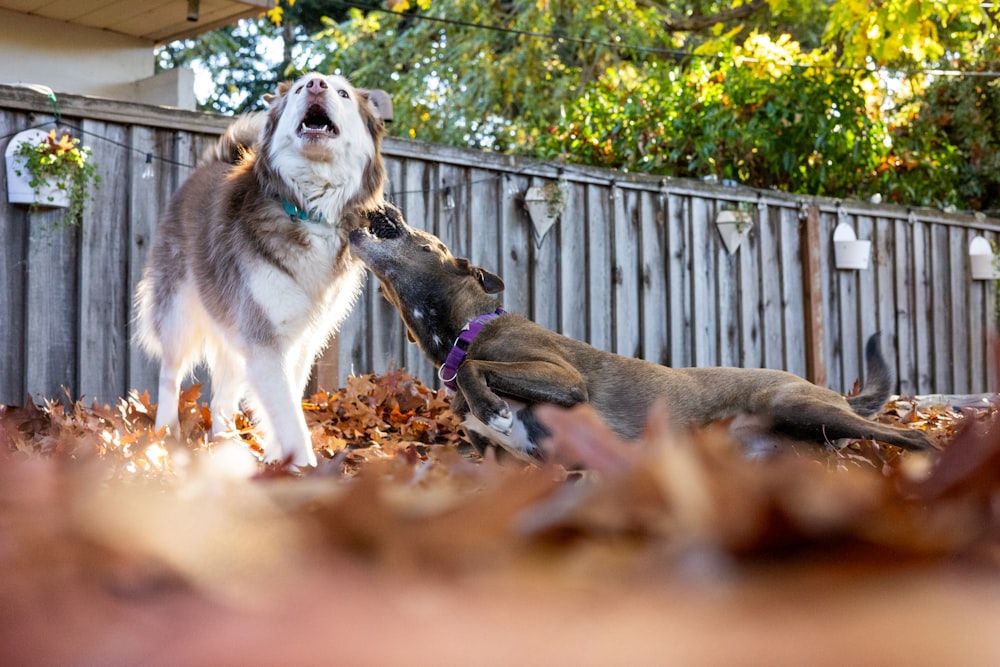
(316,123)
(382,225)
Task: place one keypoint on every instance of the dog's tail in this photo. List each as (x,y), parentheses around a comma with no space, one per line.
(239,140)
(878,382)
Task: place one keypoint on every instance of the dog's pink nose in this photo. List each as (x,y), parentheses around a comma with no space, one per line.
(316,85)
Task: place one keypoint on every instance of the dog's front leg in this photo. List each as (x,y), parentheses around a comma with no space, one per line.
(274,385)
(528,381)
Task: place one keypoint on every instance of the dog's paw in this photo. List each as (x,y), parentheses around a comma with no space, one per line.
(502,422)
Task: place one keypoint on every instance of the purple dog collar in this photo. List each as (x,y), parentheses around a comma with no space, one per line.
(449,369)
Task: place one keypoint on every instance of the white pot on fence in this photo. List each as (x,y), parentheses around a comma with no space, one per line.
(848,252)
(982,261)
(733,226)
(19,190)
(545,204)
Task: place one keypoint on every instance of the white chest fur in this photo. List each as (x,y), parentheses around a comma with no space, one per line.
(518,442)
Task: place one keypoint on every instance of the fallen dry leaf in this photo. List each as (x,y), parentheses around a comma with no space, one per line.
(121,546)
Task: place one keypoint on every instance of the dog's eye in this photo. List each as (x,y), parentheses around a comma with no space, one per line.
(425,248)
(343,93)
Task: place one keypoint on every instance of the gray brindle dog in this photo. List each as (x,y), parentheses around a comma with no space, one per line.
(250,269)
(501,365)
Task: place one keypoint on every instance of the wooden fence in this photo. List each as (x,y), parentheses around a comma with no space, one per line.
(634,265)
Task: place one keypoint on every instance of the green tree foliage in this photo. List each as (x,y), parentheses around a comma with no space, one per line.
(834,98)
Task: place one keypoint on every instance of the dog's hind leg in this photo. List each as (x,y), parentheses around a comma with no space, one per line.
(820,422)
(228,371)
(178,347)
(273,384)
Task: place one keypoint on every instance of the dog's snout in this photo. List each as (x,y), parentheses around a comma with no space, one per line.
(316,85)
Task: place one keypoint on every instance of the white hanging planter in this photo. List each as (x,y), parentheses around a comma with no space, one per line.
(19,190)
(982,261)
(545,204)
(733,226)
(848,252)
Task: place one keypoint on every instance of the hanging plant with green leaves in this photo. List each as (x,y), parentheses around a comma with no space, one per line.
(58,164)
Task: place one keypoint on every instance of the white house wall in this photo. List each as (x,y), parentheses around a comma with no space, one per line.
(72,59)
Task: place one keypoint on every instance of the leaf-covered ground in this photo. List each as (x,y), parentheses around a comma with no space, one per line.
(118,547)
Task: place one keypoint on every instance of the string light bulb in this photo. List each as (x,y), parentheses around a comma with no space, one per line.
(512,188)
(149,171)
(449,200)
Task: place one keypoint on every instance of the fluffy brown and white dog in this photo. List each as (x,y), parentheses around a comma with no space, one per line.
(250,270)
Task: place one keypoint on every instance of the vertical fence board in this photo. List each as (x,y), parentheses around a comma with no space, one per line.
(600,268)
(748,278)
(386,326)
(923,319)
(572,263)
(13,283)
(793,338)
(626,298)
(770,288)
(678,225)
(104,300)
(868,299)
(515,244)
(702,257)
(146,200)
(942,324)
(902,266)
(958,261)
(51,306)
(653,284)
(545,270)
(418,207)
(727,299)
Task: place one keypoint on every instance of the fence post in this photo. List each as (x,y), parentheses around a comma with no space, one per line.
(812,290)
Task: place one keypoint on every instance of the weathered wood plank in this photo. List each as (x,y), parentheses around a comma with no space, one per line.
(678,268)
(750,307)
(958,260)
(727,299)
(770,287)
(545,308)
(702,267)
(943,349)
(419,179)
(867,321)
(600,268)
(104,296)
(924,307)
(901,263)
(51,306)
(13,272)
(792,296)
(831,305)
(385,327)
(653,283)
(812,288)
(146,200)
(516,242)
(626,252)
(574,282)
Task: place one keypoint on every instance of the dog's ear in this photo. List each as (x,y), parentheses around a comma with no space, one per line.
(379,103)
(491,282)
(283,88)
